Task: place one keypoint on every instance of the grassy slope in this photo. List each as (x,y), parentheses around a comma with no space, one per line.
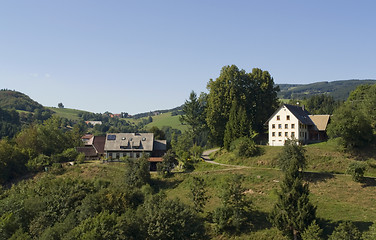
(164,119)
(337,197)
(71,114)
(321,157)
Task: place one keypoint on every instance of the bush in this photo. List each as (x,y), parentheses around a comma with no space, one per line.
(313,232)
(57,168)
(357,170)
(38,163)
(170,219)
(346,230)
(80,158)
(244,147)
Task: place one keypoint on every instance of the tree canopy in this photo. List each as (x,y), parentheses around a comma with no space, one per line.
(255,92)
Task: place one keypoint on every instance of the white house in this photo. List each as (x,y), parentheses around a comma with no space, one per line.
(294,122)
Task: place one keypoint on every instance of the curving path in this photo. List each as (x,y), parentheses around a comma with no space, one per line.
(205,156)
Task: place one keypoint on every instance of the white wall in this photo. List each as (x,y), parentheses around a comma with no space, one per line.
(281,129)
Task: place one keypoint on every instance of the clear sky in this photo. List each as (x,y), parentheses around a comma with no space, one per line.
(138,56)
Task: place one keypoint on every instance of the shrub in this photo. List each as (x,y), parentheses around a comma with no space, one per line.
(244,147)
(80,158)
(356,170)
(37,163)
(57,168)
(345,230)
(313,232)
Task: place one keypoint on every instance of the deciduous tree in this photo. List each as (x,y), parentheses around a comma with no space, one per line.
(254,92)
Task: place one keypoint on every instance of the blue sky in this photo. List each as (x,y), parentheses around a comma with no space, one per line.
(138,56)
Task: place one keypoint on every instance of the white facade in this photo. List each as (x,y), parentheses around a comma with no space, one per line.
(285,125)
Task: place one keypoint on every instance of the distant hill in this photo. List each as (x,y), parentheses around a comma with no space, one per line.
(340,90)
(175,111)
(19,101)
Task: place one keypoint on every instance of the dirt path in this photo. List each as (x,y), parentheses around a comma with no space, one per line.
(206,157)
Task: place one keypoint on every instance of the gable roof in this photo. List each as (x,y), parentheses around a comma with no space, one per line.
(321,121)
(98,143)
(129,142)
(300,113)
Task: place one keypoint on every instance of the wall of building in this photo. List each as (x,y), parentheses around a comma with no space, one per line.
(282,126)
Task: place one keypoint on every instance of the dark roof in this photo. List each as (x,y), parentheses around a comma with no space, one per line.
(89,151)
(300,113)
(160,145)
(98,143)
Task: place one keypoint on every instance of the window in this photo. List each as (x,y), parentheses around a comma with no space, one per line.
(273,134)
(292,126)
(288,117)
(280,126)
(279,134)
(286,126)
(286,134)
(273,126)
(292,134)
(278,117)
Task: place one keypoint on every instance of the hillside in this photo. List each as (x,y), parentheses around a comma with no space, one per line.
(340,90)
(166,119)
(94,187)
(18,101)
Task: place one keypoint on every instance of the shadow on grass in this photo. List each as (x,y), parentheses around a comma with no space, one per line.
(329,226)
(165,183)
(260,220)
(318,177)
(368,182)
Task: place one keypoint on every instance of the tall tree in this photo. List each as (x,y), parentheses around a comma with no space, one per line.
(293,212)
(194,115)
(237,125)
(254,91)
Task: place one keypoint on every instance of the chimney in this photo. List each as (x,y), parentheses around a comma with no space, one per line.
(303,107)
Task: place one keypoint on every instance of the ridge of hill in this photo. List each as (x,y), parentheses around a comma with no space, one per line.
(11,99)
(339,90)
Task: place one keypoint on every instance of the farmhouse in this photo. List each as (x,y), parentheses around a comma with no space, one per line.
(294,122)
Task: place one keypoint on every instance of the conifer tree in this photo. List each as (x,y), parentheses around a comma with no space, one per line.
(293,212)
(237,126)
